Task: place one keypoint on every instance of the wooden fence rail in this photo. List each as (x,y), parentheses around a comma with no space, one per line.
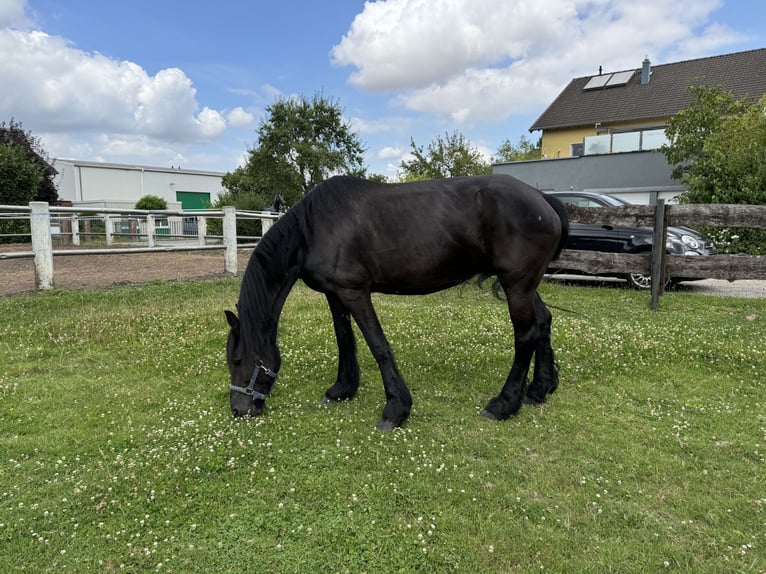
(657,263)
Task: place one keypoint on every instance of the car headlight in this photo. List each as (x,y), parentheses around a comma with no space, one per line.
(690,241)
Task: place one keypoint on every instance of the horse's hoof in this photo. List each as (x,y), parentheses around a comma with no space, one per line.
(488,415)
(527,400)
(327,400)
(385,425)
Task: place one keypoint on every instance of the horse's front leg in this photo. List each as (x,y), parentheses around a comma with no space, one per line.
(347,383)
(398,397)
(546,377)
(525,335)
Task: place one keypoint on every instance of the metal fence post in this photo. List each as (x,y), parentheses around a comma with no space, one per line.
(230,239)
(42,245)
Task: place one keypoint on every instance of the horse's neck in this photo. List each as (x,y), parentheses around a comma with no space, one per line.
(270,288)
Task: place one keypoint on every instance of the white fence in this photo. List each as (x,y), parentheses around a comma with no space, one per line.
(139,231)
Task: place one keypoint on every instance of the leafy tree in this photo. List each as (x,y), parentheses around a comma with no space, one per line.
(300,143)
(29,149)
(19,180)
(448,156)
(524,150)
(688,130)
(151,203)
(718,147)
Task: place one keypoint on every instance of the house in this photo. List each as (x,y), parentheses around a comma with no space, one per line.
(110,185)
(600,133)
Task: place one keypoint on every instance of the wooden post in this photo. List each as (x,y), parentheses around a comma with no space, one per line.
(42,245)
(266,225)
(108,229)
(659,239)
(75,229)
(230,239)
(201,230)
(150,230)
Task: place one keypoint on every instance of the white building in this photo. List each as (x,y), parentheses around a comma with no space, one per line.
(87,183)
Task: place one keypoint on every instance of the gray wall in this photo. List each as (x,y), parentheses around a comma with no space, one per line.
(637,177)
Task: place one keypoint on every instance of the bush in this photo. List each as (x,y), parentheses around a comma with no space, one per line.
(151,203)
(738,240)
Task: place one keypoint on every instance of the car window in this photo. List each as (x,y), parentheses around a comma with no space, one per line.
(579,201)
(585,201)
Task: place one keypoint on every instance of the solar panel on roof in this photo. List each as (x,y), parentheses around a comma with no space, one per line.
(597,82)
(620,78)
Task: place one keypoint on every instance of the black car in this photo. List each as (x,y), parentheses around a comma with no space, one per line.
(587,237)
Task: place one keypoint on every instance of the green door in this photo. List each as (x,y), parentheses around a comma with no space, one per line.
(193,199)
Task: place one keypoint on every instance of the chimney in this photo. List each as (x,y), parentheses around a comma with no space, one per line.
(646,71)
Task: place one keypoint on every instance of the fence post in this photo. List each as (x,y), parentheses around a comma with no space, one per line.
(230,239)
(659,239)
(42,245)
(150,228)
(75,229)
(265,225)
(108,229)
(201,230)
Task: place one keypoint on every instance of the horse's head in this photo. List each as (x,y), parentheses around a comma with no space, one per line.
(252,377)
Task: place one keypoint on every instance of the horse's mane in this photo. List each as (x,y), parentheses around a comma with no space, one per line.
(269,269)
(277,255)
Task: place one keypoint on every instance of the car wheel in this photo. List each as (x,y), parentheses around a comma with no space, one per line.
(639,281)
(643,282)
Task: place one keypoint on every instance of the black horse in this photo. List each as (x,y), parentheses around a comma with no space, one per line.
(349,237)
(279,203)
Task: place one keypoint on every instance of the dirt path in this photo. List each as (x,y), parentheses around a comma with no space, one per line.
(85,271)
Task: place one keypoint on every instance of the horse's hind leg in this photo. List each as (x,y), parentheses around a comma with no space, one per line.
(521,305)
(347,383)
(546,378)
(398,398)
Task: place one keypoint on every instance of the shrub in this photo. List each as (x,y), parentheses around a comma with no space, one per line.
(151,203)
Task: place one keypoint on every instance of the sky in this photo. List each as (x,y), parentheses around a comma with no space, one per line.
(186,84)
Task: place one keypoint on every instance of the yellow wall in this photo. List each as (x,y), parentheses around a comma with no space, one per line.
(556,143)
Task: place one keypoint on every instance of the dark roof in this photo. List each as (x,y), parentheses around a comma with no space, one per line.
(743,73)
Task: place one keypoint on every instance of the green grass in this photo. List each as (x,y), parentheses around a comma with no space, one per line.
(118,452)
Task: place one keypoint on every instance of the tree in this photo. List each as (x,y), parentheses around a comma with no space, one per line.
(448,156)
(524,150)
(151,203)
(718,147)
(30,151)
(688,130)
(301,143)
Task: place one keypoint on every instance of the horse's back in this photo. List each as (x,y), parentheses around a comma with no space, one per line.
(424,236)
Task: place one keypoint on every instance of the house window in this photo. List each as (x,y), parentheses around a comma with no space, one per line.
(638,140)
(576,149)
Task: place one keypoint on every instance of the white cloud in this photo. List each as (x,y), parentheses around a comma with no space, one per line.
(478,61)
(390,152)
(240,118)
(12,14)
(66,88)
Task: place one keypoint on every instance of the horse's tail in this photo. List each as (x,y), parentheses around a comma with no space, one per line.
(561,210)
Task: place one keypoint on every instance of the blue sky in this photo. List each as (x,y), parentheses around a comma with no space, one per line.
(165,82)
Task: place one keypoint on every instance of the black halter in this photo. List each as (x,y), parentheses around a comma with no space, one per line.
(250,388)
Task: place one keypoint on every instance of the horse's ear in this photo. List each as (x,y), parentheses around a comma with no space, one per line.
(231,318)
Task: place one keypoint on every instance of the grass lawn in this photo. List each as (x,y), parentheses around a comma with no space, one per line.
(118,452)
